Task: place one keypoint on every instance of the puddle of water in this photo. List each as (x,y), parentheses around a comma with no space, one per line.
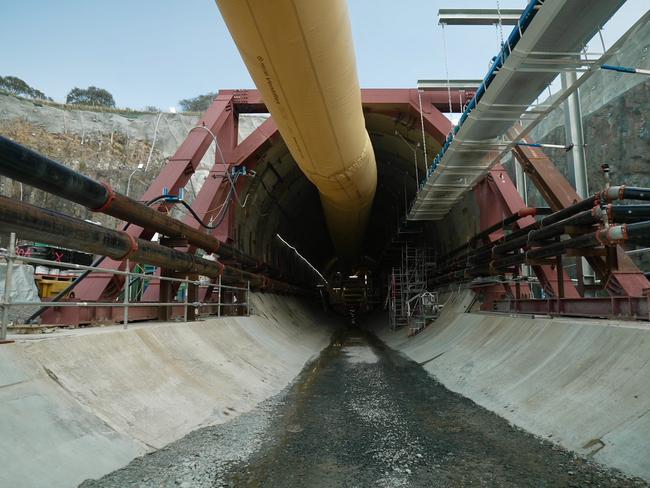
(360,354)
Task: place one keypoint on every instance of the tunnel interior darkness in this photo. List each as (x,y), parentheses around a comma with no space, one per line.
(282,201)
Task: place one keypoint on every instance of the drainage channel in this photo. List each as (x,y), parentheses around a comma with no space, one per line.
(363,415)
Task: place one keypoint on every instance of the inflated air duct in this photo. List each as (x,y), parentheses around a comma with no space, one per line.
(301,58)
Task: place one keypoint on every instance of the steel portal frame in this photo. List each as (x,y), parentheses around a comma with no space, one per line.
(221,119)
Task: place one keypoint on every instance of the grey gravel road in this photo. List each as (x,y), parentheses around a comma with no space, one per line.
(362,415)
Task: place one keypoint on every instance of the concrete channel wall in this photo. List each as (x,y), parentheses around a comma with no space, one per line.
(583,384)
(82,403)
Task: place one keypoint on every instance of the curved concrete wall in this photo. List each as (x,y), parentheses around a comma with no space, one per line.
(584,384)
(86,402)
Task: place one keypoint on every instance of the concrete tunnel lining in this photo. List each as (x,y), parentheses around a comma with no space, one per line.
(282,200)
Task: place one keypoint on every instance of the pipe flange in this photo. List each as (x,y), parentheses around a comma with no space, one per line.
(133,247)
(111,196)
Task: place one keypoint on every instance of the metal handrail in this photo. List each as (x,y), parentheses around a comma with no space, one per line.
(11,258)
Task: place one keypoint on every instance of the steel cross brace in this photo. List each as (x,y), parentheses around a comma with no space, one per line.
(173,176)
(508,201)
(626,278)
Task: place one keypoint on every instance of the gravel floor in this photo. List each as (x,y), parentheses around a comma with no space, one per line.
(362,415)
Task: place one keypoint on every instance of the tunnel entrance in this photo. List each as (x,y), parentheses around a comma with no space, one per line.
(281,200)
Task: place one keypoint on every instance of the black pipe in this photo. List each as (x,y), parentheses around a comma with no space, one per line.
(29,167)
(638,232)
(587,240)
(623,192)
(627,213)
(585,204)
(504,223)
(587,217)
(635,193)
(511,245)
(61,230)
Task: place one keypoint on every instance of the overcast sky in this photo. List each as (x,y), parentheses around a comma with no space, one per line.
(148,52)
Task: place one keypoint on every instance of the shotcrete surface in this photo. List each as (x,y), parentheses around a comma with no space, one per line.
(582,384)
(81,403)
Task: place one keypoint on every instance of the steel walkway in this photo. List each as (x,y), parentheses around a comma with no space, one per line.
(548,39)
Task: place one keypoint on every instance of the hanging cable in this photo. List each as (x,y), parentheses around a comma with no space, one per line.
(153,144)
(303,258)
(500,24)
(223,159)
(424,142)
(444,49)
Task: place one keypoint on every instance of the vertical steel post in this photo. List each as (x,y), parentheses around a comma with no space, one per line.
(522,189)
(219,294)
(8,283)
(574,134)
(127,290)
(185,301)
(248,298)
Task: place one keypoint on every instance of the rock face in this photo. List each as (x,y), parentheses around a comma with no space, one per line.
(618,134)
(105,146)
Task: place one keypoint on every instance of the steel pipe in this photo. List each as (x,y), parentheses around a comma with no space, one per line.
(587,217)
(22,164)
(42,225)
(586,204)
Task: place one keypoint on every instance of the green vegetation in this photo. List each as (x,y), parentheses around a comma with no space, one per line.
(92,96)
(197,104)
(16,86)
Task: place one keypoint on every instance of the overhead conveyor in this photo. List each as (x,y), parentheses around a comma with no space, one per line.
(548,39)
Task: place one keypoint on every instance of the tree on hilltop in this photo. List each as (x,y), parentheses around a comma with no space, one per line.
(16,86)
(197,104)
(90,96)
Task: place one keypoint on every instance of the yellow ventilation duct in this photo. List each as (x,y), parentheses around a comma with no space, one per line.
(301,58)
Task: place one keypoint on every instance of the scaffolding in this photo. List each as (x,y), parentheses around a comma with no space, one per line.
(411,304)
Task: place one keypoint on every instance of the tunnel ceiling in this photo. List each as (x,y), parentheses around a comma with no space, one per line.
(281,200)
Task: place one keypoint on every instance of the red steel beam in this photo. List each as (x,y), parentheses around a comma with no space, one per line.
(626,278)
(174,175)
(221,119)
(621,307)
(507,202)
(250,101)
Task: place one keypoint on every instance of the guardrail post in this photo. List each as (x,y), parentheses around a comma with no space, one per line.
(219,294)
(187,294)
(248,298)
(127,287)
(7,294)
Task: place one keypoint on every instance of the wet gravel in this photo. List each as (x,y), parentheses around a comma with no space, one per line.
(362,415)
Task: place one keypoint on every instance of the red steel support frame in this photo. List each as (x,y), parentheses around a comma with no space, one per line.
(222,120)
(497,198)
(626,279)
